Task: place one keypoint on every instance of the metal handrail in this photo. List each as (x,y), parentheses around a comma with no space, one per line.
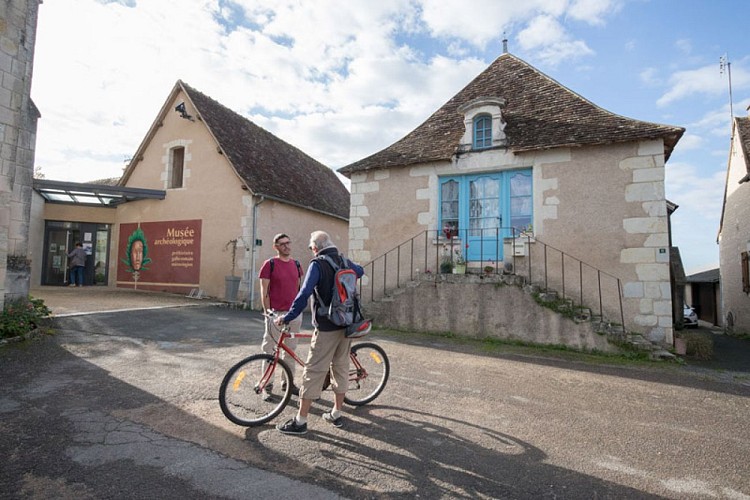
(444,248)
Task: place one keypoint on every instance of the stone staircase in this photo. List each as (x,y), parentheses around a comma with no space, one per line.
(550,299)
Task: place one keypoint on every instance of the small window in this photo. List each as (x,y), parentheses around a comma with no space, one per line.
(177,167)
(520,202)
(482,132)
(449,208)
(745,272)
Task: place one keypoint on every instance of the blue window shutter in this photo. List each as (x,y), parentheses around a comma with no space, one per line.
(482,132)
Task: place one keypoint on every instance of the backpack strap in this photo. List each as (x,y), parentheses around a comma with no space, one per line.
(332,263)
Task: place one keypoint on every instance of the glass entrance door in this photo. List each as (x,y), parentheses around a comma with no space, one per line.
(56,265)
(60,239)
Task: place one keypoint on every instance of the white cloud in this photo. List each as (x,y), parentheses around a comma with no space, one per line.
(704,80)
(684,45)
(650,77)
(690,141)
(551,43)
(696,222)
(593,11)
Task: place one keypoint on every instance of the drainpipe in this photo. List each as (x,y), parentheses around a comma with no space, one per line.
(252,257)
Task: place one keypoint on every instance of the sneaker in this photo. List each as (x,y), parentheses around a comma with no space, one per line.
(292,427)
(336,422)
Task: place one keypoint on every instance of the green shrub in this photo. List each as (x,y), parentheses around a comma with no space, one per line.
(21,316)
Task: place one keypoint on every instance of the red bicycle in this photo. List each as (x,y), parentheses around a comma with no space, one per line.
(243,397)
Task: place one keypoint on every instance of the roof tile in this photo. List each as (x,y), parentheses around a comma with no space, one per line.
(268,165)
(540,114)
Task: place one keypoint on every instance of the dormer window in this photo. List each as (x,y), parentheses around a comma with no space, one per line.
(484,124)
(482,132)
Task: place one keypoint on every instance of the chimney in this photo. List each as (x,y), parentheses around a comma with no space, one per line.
(505,50)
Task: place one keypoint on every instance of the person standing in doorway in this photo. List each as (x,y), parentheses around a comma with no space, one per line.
(280,279)
(77,258)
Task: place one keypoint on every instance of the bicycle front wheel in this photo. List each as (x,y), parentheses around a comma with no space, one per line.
(255,390)
(368,373)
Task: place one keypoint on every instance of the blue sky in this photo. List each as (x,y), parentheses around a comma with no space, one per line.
(341,80)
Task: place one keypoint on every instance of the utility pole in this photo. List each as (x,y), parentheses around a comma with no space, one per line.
(725,64)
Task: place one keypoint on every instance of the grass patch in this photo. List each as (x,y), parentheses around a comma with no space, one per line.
(700,345)
(495,347)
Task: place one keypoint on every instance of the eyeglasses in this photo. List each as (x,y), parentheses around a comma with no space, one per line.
(283,243)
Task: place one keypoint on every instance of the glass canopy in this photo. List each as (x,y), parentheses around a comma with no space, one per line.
(74,193)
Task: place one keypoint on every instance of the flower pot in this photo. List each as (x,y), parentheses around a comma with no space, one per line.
(459,269)
(231,288)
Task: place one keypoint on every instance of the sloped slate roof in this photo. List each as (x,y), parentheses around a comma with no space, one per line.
(710,276)
(743,129)
(268,165)
(540,114)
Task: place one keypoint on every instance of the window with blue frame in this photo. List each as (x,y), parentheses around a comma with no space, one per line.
(482,209)
(482,131)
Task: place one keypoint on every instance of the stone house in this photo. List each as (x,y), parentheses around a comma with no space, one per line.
(197,207)
(18,123)
(734,232)
(518,174)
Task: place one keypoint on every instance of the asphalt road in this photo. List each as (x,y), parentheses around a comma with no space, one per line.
(124,405)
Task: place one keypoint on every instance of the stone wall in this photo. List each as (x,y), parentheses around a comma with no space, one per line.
(18,118)
(470,306)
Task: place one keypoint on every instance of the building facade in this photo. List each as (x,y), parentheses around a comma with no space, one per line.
(517,161)
(734,232)
(197,207)
(18,121)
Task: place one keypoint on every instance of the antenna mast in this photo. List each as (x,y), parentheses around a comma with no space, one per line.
(724,63)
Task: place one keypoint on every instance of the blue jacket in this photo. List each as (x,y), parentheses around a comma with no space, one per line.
(319,280)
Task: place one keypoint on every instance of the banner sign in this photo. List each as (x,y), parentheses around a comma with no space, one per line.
(162,256)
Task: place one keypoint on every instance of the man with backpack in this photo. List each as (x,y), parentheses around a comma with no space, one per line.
(329,347)
(280,279)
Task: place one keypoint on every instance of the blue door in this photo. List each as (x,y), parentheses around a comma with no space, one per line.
(485,216)
(482,209)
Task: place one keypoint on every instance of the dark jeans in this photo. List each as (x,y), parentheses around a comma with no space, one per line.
(76,276)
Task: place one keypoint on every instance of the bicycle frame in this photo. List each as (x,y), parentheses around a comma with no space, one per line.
(281,345)
(358,374)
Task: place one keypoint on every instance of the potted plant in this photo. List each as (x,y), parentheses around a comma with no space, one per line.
(446,265)
(459,262)
(488,270)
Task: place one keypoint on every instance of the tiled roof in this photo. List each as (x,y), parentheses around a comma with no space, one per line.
(268,165)
(743,129)
(711,276)
(540,114)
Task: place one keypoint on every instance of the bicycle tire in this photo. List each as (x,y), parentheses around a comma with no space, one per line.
(242,399)
(367,380)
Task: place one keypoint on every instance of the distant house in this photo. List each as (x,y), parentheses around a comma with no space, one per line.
(703,293)
(518,171)
(200,201)
(734,232)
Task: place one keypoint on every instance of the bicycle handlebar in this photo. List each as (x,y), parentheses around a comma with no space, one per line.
(273,315)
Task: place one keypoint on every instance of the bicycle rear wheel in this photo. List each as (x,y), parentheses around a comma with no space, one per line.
(368,373)
(242,397)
